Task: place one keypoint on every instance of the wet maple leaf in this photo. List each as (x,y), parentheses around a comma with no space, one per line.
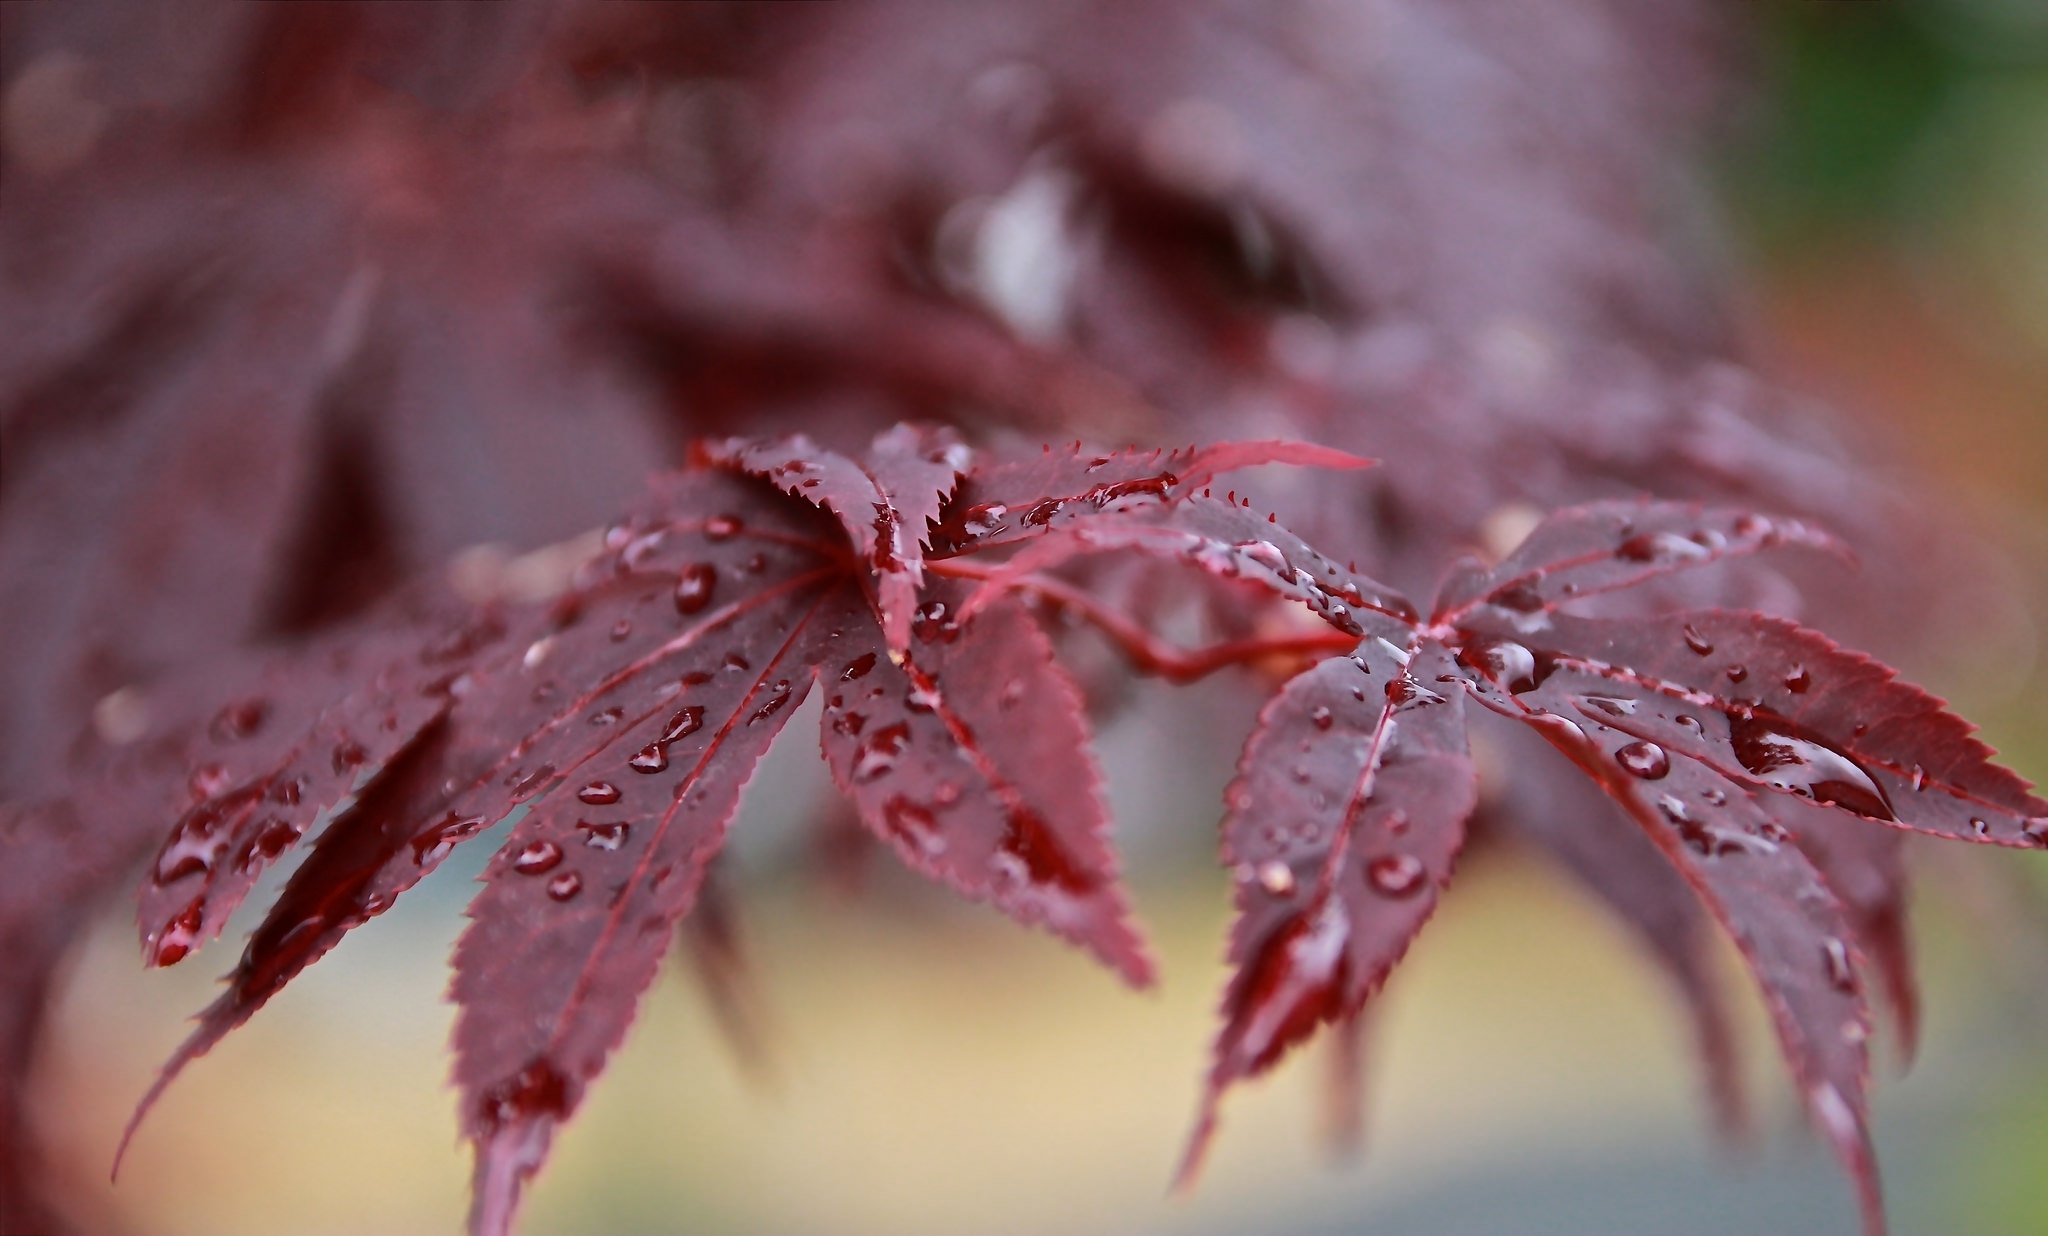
(614,730)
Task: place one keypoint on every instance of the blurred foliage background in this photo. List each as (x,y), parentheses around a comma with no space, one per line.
(928,1068)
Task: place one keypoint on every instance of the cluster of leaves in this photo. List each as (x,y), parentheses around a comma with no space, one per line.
(616,727)
(302,300)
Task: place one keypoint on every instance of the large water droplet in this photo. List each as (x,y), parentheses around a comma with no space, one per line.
(1799,681)
(686,722)
(609,836)
(1659,547)
(651,758)
(537,858)
(878,754)
(1645,759)
(1404,693)
(565,886)
(1786,758)
(598,794)
(915,825)
(1396,875)
(1505,662)
(695,586)
(858,667)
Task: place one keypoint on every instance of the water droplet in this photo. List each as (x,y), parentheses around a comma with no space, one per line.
(1396,875)
(348,755)
(434,844)
(1520,597)
(2035,830)
(565,886)
(878,754)
(180,935)
(1645,759)
(1736,673)
(1840,972)
(651,758)
(848,724)
(537,652)
(1659,547)
(931,622)
(921,697)
(1320,717)
(1505,662)
(1012,692)
(1690,722)
(1716,798)
(1405,692)
(1695,641)
(695,678)
(598,794)
(621,629)
(914,825)
(208,780)
(735,663)
(1673,808)
(984,520)
(1785,758)
(525,786)
(609,836)
(694,587)
(1276,878)
(686,722)
(1799,682)
(1747,526)
(1980,828)
(722,527)
(1267,555)
(858,667)
(1613,706)
(1042,513)
(609,716)
(537,858)
(778,697)
(239,720)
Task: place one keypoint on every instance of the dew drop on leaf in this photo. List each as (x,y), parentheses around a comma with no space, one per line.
(1396,875)
(602,836)
(598,794)
(686,722)
(1645,759)
(348,755)
(1405,692)
(565,886)
(1320,717)
(694,587)
(239,720)
(651,758)
(1840,973)
(1785,758)
(1613,706)
(914,825)
(858,667)
(1736,673)
(1799,681)
(722,527)
(525,786)
(1695,641)
(537,858)
(1276,878)
(609,716)
(878,755)
(621,629)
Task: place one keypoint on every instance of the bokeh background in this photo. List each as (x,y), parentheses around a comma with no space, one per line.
(1879,191)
